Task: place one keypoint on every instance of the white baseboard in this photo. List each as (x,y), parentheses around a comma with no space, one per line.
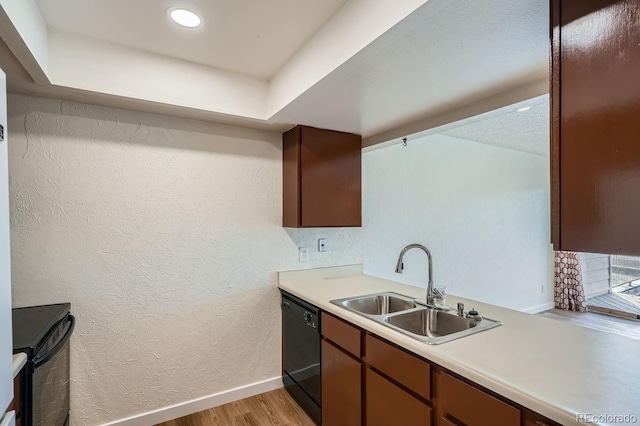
(540,308)
(200,404)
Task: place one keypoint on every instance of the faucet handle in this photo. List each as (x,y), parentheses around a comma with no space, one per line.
(437,293)
(460,309)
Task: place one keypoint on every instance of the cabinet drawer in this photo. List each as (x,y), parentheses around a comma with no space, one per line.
(388,404)
(443,421)
(534,419)
(342,334)
(406,369)
(473,407)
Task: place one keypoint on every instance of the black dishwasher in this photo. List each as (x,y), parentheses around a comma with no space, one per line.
(301,354)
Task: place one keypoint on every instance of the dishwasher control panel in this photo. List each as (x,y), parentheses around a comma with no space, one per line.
(302,311)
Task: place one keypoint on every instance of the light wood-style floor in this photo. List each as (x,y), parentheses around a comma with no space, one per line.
(269,409)
(622,326)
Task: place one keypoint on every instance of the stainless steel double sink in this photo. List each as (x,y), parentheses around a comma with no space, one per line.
(407,316)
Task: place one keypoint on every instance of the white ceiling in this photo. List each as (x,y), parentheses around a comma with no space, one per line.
(526,131)
(246,36)
(446,54)
(381,68)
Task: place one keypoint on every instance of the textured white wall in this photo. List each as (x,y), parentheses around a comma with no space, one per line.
(165,235)
(483,211)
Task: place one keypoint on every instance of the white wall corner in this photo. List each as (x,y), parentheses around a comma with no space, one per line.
(24,30)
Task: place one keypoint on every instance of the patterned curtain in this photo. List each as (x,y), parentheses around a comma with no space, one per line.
(568,290)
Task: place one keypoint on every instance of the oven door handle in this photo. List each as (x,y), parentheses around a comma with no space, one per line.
(38,362)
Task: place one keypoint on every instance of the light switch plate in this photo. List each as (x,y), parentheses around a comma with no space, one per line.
(322,245)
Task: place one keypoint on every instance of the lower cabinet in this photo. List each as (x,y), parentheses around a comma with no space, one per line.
(463,404)
(387,404)
(341,387)
(368,381)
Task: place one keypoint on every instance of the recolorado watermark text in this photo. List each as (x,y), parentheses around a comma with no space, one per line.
(606,418)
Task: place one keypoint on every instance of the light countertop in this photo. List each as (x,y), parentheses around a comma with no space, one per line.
(19,360)
(553,368)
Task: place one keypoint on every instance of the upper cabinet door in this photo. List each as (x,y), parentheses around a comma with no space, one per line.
(595,98)
(322,178)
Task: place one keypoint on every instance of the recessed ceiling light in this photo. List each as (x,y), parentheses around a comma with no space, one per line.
(185,17)
(523,109)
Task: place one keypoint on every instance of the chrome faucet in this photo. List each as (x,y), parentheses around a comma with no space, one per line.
(432,292)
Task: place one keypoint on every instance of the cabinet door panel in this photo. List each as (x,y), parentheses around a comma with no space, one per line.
(599,130)
(387,404)
(330,181)
(341,388)
(472,406)
(15,404)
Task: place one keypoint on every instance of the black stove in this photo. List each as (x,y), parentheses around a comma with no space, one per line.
(43,333)
(31,325)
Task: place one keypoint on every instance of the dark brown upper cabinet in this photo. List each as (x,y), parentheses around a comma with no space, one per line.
(322,182)
(595,125)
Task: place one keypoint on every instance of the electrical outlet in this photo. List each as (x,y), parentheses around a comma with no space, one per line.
(304,254)
(322,245)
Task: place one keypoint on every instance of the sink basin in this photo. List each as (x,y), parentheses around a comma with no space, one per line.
(430,323)
(402,314)
(380,304)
